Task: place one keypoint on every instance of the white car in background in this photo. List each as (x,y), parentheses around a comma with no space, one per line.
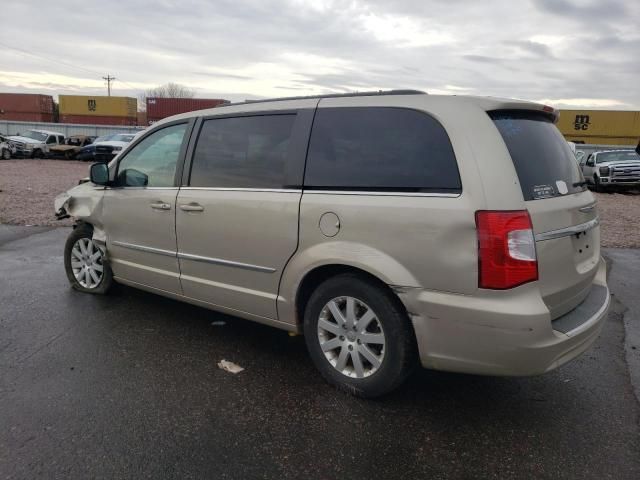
(35,143)
(610,168)
(6,151)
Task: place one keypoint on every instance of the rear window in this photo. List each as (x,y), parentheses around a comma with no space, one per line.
(545,164)
(380,149)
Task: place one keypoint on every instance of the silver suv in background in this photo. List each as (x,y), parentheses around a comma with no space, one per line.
(612,168)
(392,229)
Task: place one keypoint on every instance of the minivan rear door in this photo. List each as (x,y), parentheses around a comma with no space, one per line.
(237,212)
(562,210)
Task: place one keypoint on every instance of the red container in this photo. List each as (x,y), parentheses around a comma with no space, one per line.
(25,103)
(98,120)
(27,116)
(159,108)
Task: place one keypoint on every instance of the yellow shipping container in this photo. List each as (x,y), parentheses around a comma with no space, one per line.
(98,106)
(610,127)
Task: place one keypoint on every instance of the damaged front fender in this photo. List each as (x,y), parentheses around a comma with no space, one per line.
(84,203)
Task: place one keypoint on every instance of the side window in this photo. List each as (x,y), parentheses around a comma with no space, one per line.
(152,163)
(243,152)
(51,139)
(61,139)
(380,149)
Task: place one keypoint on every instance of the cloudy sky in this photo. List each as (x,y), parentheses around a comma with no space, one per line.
(563,52)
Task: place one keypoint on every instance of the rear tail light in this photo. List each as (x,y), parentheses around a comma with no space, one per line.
(604,171)
(506,249)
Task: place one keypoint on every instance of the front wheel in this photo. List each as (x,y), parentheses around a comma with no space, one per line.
(359,336)
(37,154)
(6,154)
(85,264)
(597,185)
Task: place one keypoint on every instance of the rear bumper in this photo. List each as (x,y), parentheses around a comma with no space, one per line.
(502,332)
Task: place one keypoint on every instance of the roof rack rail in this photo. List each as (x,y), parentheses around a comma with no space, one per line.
(331,95)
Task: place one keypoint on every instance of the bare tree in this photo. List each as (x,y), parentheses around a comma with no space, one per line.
(168,90)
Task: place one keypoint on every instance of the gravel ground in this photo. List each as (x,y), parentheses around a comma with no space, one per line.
(28,187)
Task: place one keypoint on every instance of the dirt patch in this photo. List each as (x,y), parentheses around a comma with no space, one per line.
(28,187)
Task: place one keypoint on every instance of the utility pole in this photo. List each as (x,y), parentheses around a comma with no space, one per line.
(109,79)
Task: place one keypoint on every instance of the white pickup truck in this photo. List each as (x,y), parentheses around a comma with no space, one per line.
(611,168)
(34,143)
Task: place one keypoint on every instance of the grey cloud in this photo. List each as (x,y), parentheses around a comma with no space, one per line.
(207,42)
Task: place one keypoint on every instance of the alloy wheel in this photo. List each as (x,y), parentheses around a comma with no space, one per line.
(87,263)
(351,337)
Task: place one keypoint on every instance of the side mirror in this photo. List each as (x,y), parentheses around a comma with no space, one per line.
(99,174)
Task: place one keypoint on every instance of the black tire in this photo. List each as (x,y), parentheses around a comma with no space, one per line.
(37,154)
(85,231)
(6,154)
(399,357)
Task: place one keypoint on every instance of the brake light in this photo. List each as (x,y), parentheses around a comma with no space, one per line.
(506,249)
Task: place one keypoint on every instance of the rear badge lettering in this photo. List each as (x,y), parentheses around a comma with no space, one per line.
(543,191)
(562,187)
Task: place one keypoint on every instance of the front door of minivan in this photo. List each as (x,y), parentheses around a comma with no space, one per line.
(139,211)
(237,216)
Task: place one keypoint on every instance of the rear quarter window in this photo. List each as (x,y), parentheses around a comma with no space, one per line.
(380,149)
(543,160)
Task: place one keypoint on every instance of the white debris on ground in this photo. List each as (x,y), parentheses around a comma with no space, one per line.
(229,366)
(218,323)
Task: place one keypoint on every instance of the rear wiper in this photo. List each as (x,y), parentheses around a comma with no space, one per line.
(580,184)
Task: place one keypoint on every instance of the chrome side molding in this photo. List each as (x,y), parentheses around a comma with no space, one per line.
(142,248)
(568,231)
(226,263)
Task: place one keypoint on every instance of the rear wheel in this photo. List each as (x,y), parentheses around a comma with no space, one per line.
(84,262)
(359,336)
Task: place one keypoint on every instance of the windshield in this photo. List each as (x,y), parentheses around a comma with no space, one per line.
(544,162)
(122,138)
(103,138)
(41,137)
(617,157)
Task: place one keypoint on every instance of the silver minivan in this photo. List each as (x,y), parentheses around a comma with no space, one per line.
(392,229)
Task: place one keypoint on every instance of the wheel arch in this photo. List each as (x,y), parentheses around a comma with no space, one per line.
(321,273)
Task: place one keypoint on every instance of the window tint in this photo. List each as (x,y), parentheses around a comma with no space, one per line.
(389,149)
(152,162)
(242,152)
(542,157)
(51,140)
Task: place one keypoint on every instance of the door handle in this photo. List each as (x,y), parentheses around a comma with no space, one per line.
(192,207)
(161,206)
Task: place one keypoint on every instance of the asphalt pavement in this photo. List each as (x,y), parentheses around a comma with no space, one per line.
(127,386)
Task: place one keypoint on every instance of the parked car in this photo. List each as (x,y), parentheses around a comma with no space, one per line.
(35,143)
(612,168)
(88,152)
(71,147)
(6,150)
(108,149)
(391,229)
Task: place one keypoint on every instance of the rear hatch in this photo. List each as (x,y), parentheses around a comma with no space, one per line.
(562,210)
